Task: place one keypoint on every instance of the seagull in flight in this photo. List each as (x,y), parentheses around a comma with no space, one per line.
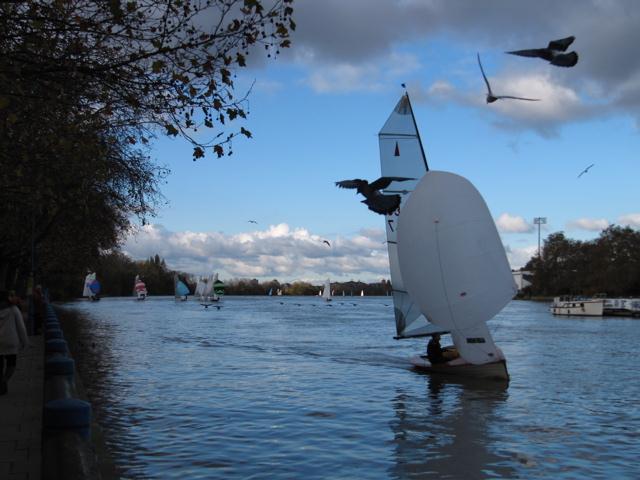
(326,241)
(491,97)
(376,201)
(554,53)
(586,170)
(252,221)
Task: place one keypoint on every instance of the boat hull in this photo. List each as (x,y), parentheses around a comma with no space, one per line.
(486,371)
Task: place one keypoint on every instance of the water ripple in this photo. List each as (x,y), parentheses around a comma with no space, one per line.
(286,388)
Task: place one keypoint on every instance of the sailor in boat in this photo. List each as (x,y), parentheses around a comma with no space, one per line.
(436,354)
(434,350)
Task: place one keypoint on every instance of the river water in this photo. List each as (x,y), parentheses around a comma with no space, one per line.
(288,388)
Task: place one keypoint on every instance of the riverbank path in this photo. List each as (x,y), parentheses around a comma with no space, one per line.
(21,416)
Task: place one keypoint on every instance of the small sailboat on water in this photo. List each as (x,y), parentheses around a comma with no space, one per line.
(218,288)
(140,288)
(326,292)
(448,267)
(181,290)
(210,290)
(92,287)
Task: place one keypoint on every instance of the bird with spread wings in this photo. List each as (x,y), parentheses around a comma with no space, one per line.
(585,170)
(554,53)
(376,201)
(491,97)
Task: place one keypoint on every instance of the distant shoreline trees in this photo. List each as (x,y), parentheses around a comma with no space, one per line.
(608,264)
(116,273)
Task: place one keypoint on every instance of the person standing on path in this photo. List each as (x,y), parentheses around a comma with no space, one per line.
(13,338)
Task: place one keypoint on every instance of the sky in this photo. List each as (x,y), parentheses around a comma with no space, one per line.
(316,110)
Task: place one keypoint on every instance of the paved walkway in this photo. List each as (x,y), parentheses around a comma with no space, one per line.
(21,417)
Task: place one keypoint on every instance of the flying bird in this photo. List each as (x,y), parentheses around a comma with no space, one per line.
(252,221)
(326,241)
(586,170)
(491,97)
(376,201)
(554,53)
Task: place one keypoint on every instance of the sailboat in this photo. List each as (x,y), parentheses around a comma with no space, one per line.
(91,287)
(204,289)
(181,290)
(218,288)
(455,268)
(139,288)
(326,293)
(270,292)
(362,293)
(421,293)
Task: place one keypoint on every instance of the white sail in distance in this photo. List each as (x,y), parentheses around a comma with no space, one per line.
(326,293)
(402,155)
(453,262)
(86,292)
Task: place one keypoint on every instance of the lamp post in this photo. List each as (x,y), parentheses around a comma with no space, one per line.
(539,221)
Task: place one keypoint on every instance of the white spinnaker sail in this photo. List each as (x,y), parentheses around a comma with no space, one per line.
(326,293)
(402,155)
(453,262)
(86,292)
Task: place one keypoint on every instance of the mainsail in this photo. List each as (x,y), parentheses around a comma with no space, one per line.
(181,288)
(88,280)
(402,155)
(453,262)
(326,293)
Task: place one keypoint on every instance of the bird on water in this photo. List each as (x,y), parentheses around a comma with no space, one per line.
(376,201)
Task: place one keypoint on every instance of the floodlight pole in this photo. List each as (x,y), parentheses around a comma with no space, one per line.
(539,221)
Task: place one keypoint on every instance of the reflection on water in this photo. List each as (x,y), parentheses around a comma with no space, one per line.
(444,432)
(280,388)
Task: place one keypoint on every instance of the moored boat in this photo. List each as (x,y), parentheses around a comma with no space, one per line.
(578,306)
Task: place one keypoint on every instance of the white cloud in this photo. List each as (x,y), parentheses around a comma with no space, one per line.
(346,77)
(631,219)
(518,257)
(591,224)
(557,103)
(279,252)
(508,223)
(605,81)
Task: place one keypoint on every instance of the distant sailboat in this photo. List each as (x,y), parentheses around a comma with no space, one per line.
(91,287)
(181,290)
(326,293)
(218,288)
(362,293)
(204,289)
(139,288)
(270,292)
